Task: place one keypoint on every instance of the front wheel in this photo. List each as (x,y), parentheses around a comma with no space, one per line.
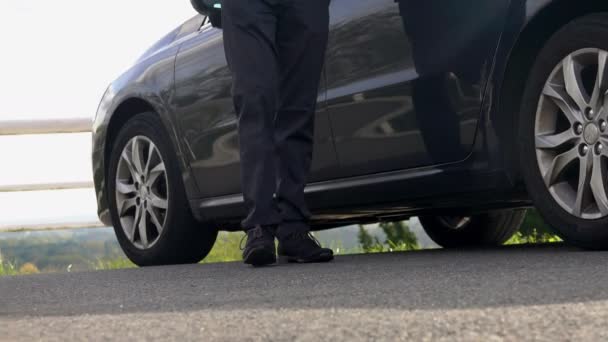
(564,132)
(148,205)
(481,230)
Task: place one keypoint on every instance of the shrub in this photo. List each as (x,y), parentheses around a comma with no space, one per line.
(28,268)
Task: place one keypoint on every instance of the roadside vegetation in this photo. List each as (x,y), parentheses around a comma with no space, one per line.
(533,230)
(89,250)
(226,249)
(6,268)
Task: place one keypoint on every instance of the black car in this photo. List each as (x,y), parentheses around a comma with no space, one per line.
(463,113)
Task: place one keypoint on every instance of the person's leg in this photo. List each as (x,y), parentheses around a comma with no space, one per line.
(249,40)
(301,42)
(302,31)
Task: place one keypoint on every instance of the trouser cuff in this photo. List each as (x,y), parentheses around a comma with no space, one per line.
(288,228)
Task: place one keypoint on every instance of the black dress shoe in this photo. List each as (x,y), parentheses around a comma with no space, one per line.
(259,249)
(302,247)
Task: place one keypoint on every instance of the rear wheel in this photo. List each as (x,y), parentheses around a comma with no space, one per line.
(564,132)
(148,204)
(487,229)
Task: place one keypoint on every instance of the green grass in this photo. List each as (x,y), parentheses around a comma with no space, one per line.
(537,237)
(7,268)
(226,249)
(112,264)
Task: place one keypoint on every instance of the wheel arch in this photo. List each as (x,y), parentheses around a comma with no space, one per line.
(538,29)
(128,108)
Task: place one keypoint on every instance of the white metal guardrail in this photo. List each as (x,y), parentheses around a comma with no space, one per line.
(49,227)
(45,186)
(54,126)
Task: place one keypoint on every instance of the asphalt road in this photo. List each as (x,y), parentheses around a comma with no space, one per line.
(512,293)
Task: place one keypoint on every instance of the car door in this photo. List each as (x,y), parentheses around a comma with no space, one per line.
(406,79)
(204,110)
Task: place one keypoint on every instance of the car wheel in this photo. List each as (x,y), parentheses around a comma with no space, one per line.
(563,132)
(150,212)
(481,230)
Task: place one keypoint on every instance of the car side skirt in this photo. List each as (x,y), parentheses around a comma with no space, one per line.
(386,196)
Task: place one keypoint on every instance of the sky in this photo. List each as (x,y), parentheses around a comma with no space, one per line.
(56,60)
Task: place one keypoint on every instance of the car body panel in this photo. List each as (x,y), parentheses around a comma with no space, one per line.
(406,80)
(207,120)
(149,80)
(356,176)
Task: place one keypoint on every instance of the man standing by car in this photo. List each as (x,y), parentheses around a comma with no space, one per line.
(275,50)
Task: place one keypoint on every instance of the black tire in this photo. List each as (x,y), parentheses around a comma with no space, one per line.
(586,32)
(183,240)
(481,230)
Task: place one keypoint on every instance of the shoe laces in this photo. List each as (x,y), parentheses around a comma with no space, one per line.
(256,233)
(308,237)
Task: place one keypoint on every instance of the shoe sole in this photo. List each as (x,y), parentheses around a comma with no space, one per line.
(260,257)
(326,257)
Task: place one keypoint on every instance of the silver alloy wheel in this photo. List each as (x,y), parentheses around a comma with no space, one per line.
(142,192)
(455,222)
(571,136)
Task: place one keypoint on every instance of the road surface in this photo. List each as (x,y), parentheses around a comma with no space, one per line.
(512,293)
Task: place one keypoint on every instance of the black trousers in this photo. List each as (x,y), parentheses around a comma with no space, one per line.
(275,51)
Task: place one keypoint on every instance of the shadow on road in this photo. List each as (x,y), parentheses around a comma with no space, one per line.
(428,279)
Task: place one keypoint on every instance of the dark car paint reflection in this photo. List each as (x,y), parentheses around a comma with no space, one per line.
(409,52)
(203,85)
(407,99)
